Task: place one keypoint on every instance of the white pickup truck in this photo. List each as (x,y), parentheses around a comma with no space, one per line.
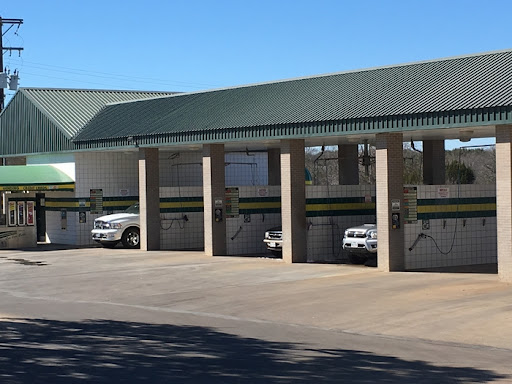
(274,240)
(361,244)
(123,227)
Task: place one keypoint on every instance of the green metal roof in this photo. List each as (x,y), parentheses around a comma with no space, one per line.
(466,91)
(34,177)
(44,120)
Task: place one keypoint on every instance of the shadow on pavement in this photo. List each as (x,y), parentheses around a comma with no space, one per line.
(47,351)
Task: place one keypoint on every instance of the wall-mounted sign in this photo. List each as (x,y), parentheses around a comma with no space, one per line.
(232,202)
(12,213)
(21,212)
(96,199)
(30,213)
(395,205)
(410,205)
(263,192)
(63,219)
(443,192)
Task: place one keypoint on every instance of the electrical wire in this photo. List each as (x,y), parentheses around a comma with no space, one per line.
(111,76)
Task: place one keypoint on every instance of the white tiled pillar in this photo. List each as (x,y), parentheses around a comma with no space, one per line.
(293,201)
(504,201)
(149,199)
(434,168)
(389,190)
(348,164)
(214,191)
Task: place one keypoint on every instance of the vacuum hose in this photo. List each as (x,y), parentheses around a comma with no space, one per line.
(420,236)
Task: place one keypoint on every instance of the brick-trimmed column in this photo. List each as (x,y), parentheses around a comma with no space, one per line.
(149,199)
(390,171)
(434,168)
(293,201)
(274,166)
(348,164)
(214,191)
(504,201)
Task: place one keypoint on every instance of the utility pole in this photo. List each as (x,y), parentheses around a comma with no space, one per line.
(11,22)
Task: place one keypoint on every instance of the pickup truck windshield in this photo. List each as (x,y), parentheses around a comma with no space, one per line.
(133,209)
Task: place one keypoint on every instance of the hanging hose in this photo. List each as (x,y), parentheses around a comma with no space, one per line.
(236,233)
(420,236)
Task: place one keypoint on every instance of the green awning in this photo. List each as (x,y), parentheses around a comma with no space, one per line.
(34,178)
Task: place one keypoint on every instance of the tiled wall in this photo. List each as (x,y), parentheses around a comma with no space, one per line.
(185,169)
(247,168)
(116,173)
(181,169)
(458,224)
(257,214)
(181,218)
(62,229)
(331,210)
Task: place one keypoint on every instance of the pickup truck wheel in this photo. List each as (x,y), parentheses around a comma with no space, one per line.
(357,259)
(131,238)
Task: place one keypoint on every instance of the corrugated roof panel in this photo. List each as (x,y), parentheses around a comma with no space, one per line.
(73,108)
(477,81)
(41,120)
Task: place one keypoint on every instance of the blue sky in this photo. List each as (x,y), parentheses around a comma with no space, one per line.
(192,45)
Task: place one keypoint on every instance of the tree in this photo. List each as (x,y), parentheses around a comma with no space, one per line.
(459,173)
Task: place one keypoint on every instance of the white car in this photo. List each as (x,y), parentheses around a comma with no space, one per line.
(361,243)
(123,227)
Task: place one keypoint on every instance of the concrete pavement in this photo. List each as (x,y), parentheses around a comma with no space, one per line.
(472,309)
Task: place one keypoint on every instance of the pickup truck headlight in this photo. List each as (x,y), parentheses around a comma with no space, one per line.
(266,235)
(116,225)
(372,235)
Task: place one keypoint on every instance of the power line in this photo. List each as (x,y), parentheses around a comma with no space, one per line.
(106,75)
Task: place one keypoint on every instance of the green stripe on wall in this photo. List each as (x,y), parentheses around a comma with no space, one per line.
(317,207)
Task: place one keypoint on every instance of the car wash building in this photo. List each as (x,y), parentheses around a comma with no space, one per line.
(213,170)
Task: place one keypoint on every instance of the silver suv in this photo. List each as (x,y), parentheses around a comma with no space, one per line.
(361,244)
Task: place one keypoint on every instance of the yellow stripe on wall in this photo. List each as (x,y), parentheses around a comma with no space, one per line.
(456,208)
(339,206)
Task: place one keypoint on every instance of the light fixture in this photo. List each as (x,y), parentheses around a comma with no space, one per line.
(465,136)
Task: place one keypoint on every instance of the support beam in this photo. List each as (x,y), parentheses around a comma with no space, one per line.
(149,199)
(274,166)
(293,201)
(389,189)
(434,168)
(504,201)
(214,191)
(348,164)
